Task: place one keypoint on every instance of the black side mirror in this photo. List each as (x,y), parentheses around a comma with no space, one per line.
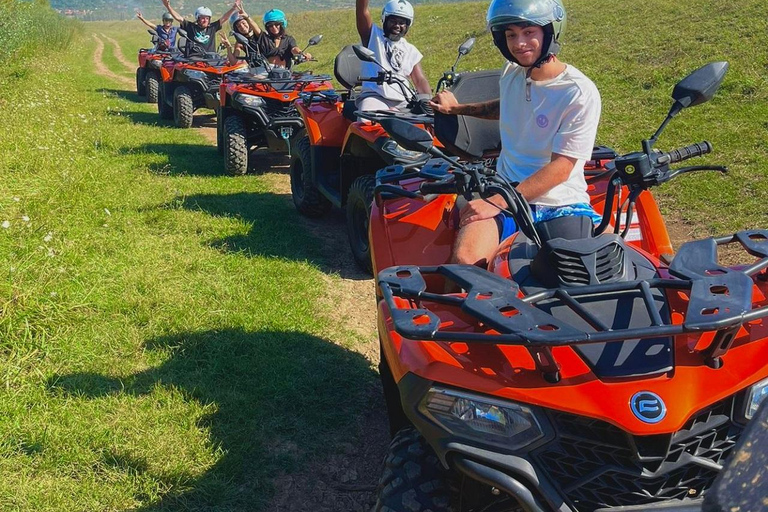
(466,46)
(408,135)
(240,38)
(364,53)
(700,86)
(183,33)
(314,40)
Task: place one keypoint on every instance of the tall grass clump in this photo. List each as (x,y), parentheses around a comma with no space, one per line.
(29,28)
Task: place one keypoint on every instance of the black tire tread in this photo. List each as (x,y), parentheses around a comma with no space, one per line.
(360,196)
(183,107)
(413,479)
(141,75)
(152,86)
(235,146)
(163,109)
(311,203)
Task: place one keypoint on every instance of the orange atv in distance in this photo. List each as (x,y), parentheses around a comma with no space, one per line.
(148,73)
(580,371)
(191,81)
(338,155)
(257,109)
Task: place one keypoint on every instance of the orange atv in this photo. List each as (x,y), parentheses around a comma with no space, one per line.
(257,109)
(338,155)
(580,371)
(191,81)
(148,72)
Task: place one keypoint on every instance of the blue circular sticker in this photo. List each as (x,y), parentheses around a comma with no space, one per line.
(648,407)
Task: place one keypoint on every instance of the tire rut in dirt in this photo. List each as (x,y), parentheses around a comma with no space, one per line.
(306,197)
(358,213)
(235,146)
(413,478)
(183,107)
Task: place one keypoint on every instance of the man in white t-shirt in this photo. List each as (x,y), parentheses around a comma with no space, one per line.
(392,51)
(548,114)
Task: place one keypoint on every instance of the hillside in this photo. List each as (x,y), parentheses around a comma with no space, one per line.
(91,10)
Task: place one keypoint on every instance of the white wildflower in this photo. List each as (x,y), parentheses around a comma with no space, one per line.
(48,237)
(25,218)
(6,224)
(106,210)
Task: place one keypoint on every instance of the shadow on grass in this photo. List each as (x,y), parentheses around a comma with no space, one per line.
(280,397)
(274,225)
(182,159)
(122,93)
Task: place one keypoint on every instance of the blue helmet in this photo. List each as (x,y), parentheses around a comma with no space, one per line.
(275,16)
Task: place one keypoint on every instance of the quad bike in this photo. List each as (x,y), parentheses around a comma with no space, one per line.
(337,156)
(579,371)
(148,73)
(191,81)
(257,109)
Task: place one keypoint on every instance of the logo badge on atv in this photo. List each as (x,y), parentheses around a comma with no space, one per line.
(648,407)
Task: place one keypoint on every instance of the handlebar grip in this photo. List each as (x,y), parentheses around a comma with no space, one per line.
(684,153)
(438,187)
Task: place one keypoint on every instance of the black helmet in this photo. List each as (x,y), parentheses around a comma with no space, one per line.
(547,14)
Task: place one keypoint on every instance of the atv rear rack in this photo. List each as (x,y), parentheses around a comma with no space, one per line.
(720,300)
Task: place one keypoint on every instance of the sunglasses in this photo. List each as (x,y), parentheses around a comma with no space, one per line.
(273,24)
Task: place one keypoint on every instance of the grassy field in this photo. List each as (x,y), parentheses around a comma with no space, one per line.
(167,341)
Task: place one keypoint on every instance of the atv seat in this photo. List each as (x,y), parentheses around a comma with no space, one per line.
(347,68)
(470,137)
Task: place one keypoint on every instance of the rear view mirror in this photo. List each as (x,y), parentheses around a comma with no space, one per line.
(183,33)
(701,85)
(314,40)
(408,135)
(466,46)
(364,53)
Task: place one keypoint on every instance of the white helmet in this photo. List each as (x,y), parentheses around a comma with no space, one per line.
(402,8)
(203,11)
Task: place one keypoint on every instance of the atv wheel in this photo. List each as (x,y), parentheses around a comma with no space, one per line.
(152,83)
(358,216)
(183,107)
(413,478)
(165,111)
(306,197)
(235,146)
(141,75)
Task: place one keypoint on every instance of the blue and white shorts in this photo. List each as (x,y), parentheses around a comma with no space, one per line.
(507,225)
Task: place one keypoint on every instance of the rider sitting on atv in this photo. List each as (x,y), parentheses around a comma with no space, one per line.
(274,44)
(548,114)
(166,33)
(242,23)
(392,51)
(202,31)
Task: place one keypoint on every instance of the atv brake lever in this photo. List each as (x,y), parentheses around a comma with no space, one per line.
(668,176)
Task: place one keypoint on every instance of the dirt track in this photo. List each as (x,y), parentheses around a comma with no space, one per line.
(346,481)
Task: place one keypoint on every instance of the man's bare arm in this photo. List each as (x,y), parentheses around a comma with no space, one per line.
(446,103)
(364,21)
(420,80)
(178,17)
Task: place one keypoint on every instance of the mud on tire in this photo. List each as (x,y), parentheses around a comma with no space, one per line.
(152,83)
(413,478)
(141,75)
(183,107)
(307,199)
(358,216)
(235,146)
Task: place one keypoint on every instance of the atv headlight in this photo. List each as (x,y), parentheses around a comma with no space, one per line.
(506,424)
(249,101)
(757,394)
(194,74)
(394,149)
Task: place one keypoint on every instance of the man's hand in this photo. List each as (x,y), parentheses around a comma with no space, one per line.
(167,3)
(478,209)
(307,55)
(444,102)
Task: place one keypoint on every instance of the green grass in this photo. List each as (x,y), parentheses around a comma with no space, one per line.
(161,336)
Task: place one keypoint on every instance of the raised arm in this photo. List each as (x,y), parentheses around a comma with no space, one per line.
(446,103)
(178,17)
(364,20)
(236,6)
(254,26)
(138,15)
(232,53)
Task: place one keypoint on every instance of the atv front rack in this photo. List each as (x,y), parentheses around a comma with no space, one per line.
(719,300)
(378,115)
